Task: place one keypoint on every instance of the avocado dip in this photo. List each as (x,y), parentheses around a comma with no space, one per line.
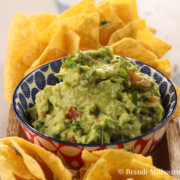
(102,99)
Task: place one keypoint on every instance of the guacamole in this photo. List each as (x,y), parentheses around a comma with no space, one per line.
(102,99)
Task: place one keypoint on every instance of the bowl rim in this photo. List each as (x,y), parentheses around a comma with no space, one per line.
(30,128)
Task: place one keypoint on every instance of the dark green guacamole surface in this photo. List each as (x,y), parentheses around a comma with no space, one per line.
(102,99)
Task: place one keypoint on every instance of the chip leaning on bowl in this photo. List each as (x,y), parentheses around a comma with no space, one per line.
(102,99)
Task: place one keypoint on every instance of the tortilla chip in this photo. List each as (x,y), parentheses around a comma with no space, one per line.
(153,31)
(31,164)
(120,159)
(86,26)
(6,174)
(88,30)
(76,9)
(88,157)
(52,162)
(91,8)
(84,170)
(99,171)
(163,65)
(104,6)
(140,31)
(116,159)
(151,171)
(42,20)
(107,30)
(131,48)
(23,38)
(176,114)
(125,9)
(14,162)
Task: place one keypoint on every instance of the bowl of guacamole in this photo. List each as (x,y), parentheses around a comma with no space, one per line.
(96,100)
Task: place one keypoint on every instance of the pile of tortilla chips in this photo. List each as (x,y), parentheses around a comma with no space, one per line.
(41,38)
(118,164)
(19,159)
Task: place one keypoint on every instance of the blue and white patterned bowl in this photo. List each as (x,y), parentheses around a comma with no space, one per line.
(70,153)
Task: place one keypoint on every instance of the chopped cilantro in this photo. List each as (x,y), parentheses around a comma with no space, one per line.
(102,136)
(122,59)
(126,148)
(91,71)
(152,110)
(70,63)
(81,70)
(123,73)
(77,126)
(80,54)
(103,22)
(100,130)
(134,98)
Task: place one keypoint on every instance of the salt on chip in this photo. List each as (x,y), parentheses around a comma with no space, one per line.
(125,9)
(23,38)
(131,48)
(99,171)
(105,31)
(42,20)
(76,9)
(140,31)
(64,43)
(163,65)
(14,162)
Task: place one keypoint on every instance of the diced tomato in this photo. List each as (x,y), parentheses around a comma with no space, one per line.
(72,139)
(153,99)
(73,113)
(42,114)
(133,76)
(144,83)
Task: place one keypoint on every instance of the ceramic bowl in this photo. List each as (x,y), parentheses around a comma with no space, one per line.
(70,153)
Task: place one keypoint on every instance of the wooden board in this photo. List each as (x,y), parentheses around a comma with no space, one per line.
(166,154)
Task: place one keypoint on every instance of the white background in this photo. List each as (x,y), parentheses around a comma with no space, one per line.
(163,15)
